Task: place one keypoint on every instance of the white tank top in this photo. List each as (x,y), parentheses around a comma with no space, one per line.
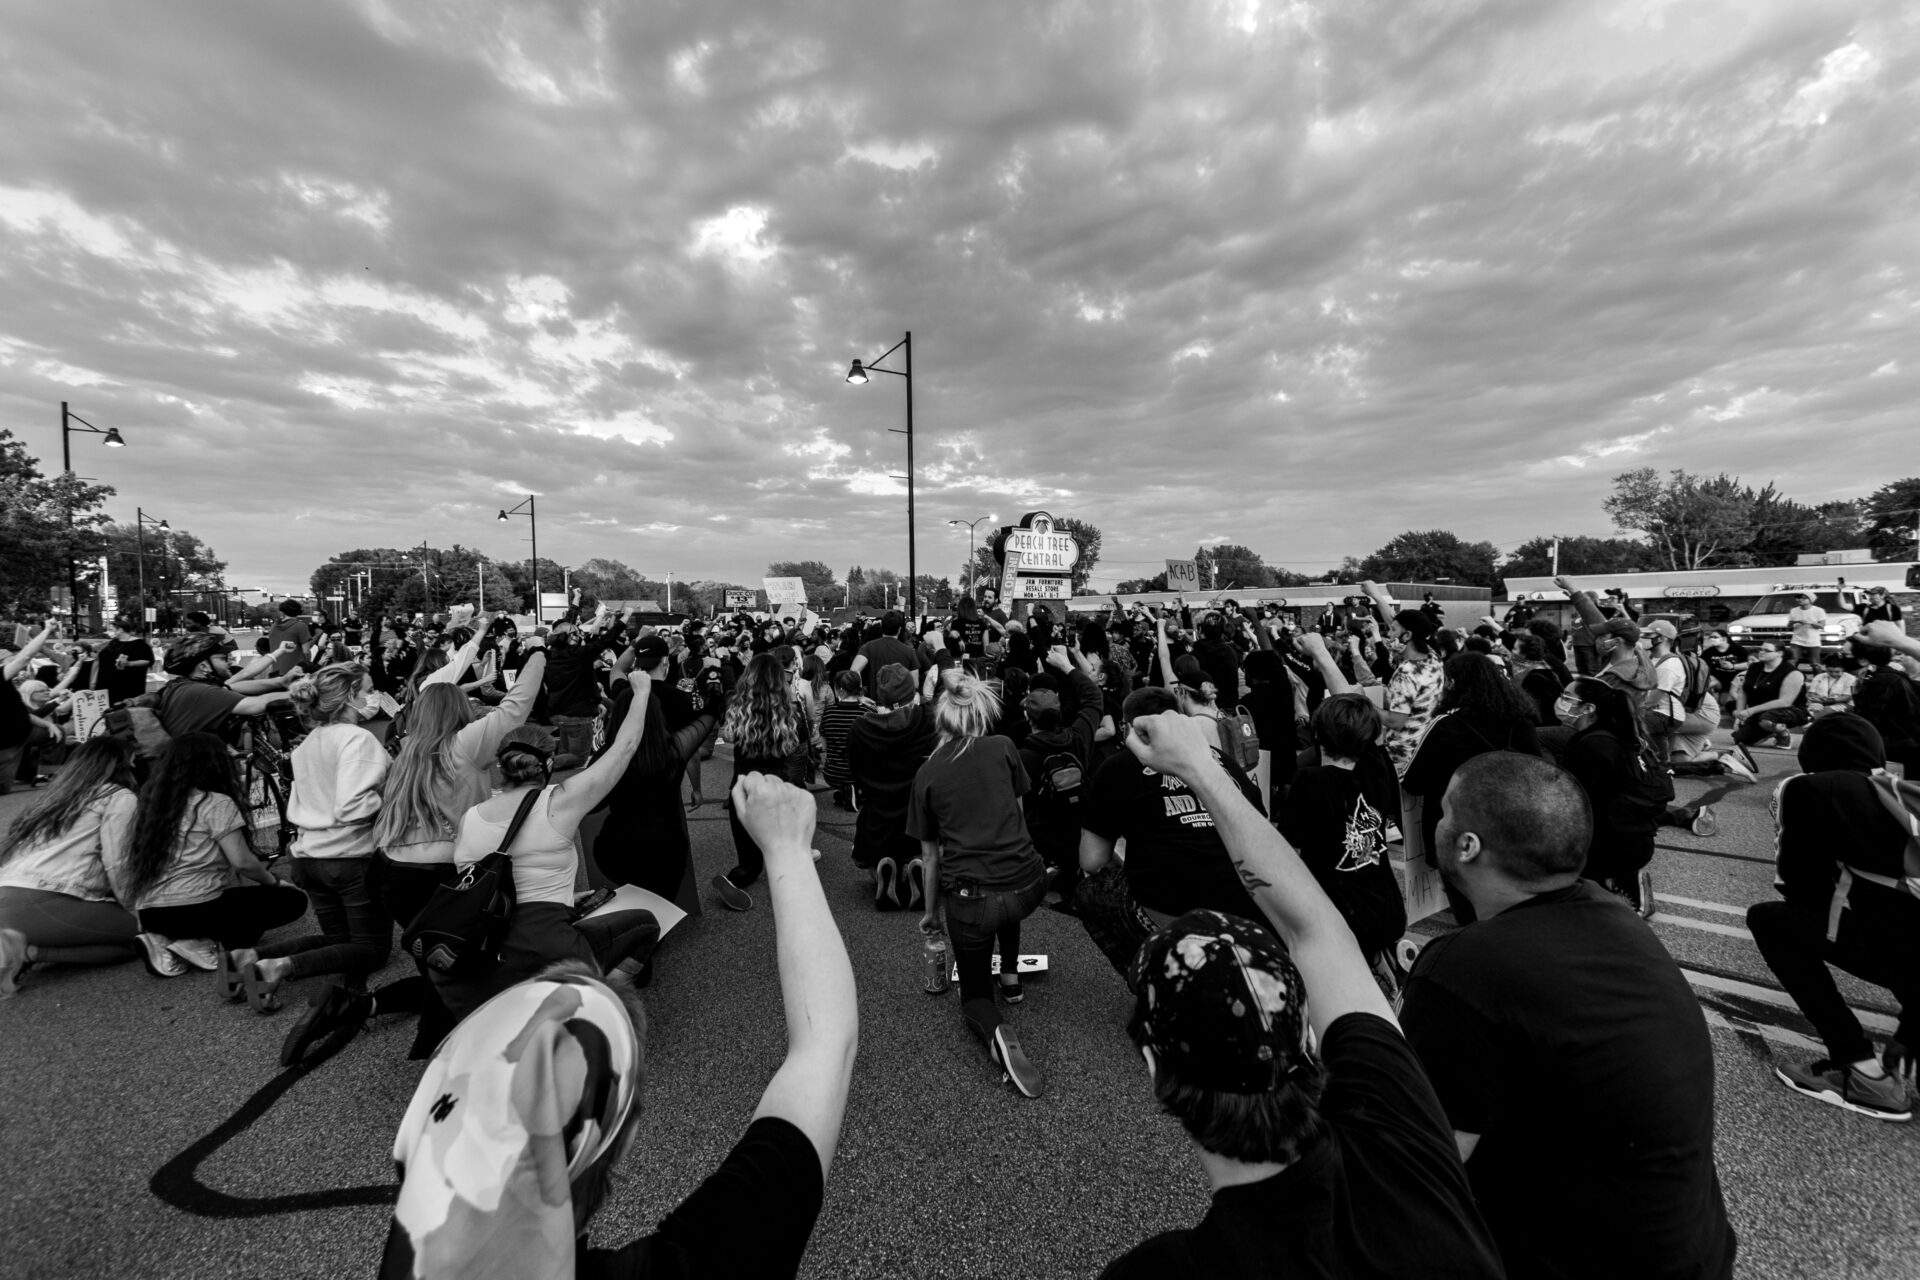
(545,862)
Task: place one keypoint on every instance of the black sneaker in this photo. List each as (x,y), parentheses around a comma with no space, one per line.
(1011,992)
(1022,1074)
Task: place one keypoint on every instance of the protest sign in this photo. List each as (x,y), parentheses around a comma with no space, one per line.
(739,598)
(89,707)
(1183,575)
(785,590)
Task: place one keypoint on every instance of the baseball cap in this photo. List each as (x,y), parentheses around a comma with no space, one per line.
(1662,628)
(1188,671)
(894,685)
(649,652)
(1625,628)
(1221,1004)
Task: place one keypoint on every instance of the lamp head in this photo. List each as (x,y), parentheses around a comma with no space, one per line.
(113,440)
(164,527)
(503,516)
(857,375)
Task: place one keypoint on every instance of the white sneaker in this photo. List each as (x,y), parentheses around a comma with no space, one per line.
(161,962)
(1733,765)
(201,953)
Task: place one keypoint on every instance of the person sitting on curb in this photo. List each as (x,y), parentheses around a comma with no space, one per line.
(508,1147)
(1306,1151)
(1841,862)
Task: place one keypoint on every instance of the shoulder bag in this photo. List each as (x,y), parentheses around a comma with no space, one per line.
(463,927)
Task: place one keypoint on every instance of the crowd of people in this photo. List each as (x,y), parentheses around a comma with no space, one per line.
(1219,797)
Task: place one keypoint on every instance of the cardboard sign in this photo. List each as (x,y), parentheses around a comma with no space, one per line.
(739,598)
(785,590)
(89,708)
(630,897)
(1024,967)
(1183,575)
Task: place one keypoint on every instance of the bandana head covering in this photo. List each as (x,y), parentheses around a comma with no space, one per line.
(1221,1004)
(524,1095)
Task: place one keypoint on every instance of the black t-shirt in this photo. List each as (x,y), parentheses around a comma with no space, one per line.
(1221,661)
(751,1219)
(1451,739)
(195,706)
(1887,700)
(1383,1196)
(130,683)
(1336,819)
(966,797)
(1271,706)
(1176,860)
(884,652)
(1563,1034)
(16,725)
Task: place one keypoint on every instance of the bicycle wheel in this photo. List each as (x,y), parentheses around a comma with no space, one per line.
(266,812)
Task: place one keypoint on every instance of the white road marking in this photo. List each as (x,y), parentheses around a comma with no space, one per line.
(1778,1035)
(1779,999)
(1725,908)
(1705,926)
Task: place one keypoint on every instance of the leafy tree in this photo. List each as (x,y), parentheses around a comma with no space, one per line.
(1229,562)
(175,561)
(1534,559)
(1158,582)
(1431,555)
(1088,536)
(1891,520)
(983,571)
(1694,523)
(37,538)
(823,592)
(1784,529)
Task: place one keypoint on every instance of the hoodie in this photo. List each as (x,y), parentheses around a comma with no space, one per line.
(1831,815)
(1054,826)
(885,750)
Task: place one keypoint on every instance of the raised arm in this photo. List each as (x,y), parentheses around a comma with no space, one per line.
(575,798)
(1314,646)
(809,1091)
(1893,637)
(1337,977)
(1583,601)
(1161,652)
(482,738)
(18,662)
(462,658)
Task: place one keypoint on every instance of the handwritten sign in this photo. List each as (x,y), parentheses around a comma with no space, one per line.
(785,590)
(89,709)
(1183,575)
(739,598)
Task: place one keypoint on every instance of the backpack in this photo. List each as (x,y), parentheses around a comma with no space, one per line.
(1646,789)
(1901,799)
(1696,681)
(1238,741)
(1062,779)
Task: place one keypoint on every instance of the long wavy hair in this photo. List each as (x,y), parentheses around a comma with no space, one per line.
(92,773)
(418,787)
(762,722)
(189,767)
(1476,689)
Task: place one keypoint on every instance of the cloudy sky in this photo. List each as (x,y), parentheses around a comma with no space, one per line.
(1295,275)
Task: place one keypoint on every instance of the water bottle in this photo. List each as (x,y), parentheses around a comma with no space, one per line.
(934,945)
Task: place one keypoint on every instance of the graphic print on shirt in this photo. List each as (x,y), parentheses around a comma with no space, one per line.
(1182,803)
(1366,838)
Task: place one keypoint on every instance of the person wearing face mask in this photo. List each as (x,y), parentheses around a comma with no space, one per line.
(1725,658)
(1769,701)
(1630,793)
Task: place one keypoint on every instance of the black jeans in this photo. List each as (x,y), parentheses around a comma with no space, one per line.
(977,919)
(405,888)
(356,933)
(1878,941)
(236,918)
(1767,724)
(752,862)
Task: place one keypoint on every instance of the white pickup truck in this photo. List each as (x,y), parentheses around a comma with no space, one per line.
(1768,620)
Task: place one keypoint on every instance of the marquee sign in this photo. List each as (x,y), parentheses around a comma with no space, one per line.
(1690,593)
(1041,547)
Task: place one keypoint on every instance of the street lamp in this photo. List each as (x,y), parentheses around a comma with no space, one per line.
(857,375)
(140,522)
(970,525)
(113,441)
(533,529)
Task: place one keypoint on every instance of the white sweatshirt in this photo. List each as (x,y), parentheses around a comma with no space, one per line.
(337,773)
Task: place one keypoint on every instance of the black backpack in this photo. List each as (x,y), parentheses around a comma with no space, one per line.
(1062,781)
(463,927)
(1646,789)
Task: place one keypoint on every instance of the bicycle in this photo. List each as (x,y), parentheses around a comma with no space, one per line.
(266,773)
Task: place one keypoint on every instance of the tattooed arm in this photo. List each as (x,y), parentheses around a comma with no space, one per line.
(1338,978)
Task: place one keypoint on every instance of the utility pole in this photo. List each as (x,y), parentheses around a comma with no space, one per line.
(1556,557)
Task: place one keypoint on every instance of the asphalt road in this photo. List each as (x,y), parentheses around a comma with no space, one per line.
(147,1129)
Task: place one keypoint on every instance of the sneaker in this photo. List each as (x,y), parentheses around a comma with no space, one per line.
(13,960)
(913,884)
(1705,824)
(884,875)
(1012,992)
(161,962)
(1883,1099)
(1737,767)
(1745,757)
(732,896)
(1784,741)
(201,953)
(1022,1074)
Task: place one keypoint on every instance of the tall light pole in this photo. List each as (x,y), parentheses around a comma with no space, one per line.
(140,522)
(533,529)
(970,526)
(858,377)
(113,441)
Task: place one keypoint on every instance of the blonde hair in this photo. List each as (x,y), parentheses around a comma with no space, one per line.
(414,797)
(967,708)
(326,696)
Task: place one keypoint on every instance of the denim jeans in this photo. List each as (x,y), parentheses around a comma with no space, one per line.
(356,933)
(573,735)
(236,918)
(977,919)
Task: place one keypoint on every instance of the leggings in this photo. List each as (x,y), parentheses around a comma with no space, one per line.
(236,918)
(69,930)
(1876,939)
(356,933)
(405,888)
(752,862)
